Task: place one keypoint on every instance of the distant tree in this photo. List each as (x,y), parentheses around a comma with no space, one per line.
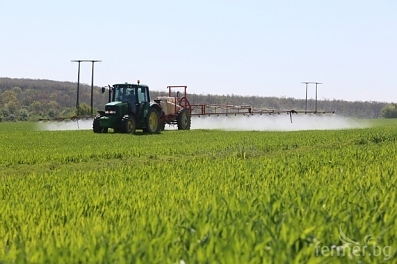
(65,100)
(8,96)
(4,112)
(23,115)
(84,109)
(389,111)
(67,112)
(53,96)
(53,105)
(11,118)
(36,107)
(17,90)
(28,97)
(52,113)
(12,107)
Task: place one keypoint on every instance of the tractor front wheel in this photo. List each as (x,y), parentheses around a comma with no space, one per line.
(97,128)
(129,125)
(153,122)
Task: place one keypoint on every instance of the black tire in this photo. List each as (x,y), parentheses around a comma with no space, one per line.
(162,125)
(162,121)
(183,119)
(128,124)
(152,122)
(97,128)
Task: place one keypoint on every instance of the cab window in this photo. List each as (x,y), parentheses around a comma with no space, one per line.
(142,94)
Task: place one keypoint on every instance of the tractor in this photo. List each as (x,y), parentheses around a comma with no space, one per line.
(129,108)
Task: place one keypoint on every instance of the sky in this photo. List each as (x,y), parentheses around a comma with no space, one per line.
(252,47)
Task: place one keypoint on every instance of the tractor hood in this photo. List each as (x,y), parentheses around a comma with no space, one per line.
(115,103)
(116,107)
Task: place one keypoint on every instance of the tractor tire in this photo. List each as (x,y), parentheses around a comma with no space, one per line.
(97,128)
(153,125)
(128,124)
(183,119)
(162,121)
(162,125)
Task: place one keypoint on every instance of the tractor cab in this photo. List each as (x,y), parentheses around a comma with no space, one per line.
(131,93)
(135,97)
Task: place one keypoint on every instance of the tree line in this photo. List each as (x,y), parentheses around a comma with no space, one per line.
(31,100)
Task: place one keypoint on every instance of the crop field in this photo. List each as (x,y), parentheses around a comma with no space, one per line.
(200,196)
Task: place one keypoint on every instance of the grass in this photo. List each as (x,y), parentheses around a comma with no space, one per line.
(198,196)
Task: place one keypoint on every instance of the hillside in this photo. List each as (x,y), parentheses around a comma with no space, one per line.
(28,99)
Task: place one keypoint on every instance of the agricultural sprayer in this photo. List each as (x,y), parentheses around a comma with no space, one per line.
(130,108)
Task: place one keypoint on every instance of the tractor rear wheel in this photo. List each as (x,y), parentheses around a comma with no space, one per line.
(162,121)
(152,122)
(183,119)
(162,125)
(129,125)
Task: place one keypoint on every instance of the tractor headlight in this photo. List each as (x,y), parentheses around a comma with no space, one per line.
(110,112)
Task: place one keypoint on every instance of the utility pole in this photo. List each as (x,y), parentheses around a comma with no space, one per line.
(306,96)
(92,85)
(315,106)
(316,96)
(78,87)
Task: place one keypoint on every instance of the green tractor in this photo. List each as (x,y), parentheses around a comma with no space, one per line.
(129,108)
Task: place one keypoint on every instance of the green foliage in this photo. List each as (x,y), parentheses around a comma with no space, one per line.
(195,196)
(53,113)
(389,111)
(12,107)
(84,109)
(36,106)
(11,117)
(67,112)
(8,96)
(23,115)
(45,98)
(53,105)
(4,112)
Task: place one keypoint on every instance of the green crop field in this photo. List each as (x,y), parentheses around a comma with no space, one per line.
(200,196)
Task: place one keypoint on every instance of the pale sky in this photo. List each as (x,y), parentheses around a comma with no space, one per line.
(251,47)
